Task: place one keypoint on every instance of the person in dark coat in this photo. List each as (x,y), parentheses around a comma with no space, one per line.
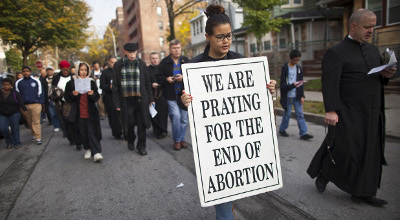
(106,86)
(160,121)
(132,97)
(87,115)
(11,102)
(170,77)
(60,80)
(219,35)
(352,154)
(292,93)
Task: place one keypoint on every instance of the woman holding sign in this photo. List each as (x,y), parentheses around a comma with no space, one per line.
(219,36)
(87,115)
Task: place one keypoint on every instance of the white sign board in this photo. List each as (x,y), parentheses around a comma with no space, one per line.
(232,126)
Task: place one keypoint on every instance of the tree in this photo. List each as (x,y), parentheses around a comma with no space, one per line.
(175,9)
(183,30)
(258,17)
(33,24)
(14,59)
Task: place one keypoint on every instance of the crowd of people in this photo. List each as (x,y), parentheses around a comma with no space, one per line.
(127,88)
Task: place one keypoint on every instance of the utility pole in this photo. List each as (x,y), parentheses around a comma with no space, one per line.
(112,33)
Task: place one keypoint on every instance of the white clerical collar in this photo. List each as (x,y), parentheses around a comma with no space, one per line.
(350,37)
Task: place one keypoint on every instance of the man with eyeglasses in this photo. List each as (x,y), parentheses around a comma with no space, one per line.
(170,77)
(292,93)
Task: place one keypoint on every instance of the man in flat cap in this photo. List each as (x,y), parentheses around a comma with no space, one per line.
(132,95)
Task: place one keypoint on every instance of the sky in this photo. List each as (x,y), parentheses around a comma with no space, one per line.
(103,11)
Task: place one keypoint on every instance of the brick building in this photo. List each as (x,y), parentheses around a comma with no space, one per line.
(146,23)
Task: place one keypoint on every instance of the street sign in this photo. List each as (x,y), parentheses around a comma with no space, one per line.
(232,125)
(39,64)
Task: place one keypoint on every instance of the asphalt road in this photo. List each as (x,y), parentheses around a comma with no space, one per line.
(53,181)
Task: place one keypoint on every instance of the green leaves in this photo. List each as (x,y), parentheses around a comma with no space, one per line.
(258,16)
(32,24)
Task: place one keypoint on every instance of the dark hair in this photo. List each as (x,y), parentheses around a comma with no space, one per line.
(26,67)
(7,80)
(215,16)
(18,72)
(112,57)
(95,62)
(295,53)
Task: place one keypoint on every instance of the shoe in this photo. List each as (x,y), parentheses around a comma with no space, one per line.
(97,157)
(321,183)
(142,152)
(71,143)
(88,154)
(183,144)
(118,137)
(370,200)
(283,133)
(177,145)
(38,142)
(131,146)
(79,147)
(18,147)
(56,129)
(306,137)
(9,146)
(159,136)
(33,139)
(102,118)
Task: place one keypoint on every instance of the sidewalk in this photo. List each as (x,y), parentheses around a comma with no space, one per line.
(392,110)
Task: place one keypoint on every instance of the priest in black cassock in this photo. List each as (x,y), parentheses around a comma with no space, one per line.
(352,153)
(106,85)
(160,121)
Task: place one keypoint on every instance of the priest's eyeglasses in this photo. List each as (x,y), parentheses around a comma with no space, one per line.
(221,37)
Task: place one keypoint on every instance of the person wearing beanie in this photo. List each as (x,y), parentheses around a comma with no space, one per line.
(132,96)
(59,82)
(87,115)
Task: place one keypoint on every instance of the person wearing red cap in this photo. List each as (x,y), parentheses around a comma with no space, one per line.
(70,130)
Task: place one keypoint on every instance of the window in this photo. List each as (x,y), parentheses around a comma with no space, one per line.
(291,3)
(282,43)
(194,28)
(393,11)
(376,7)
(161,41)
(198,27)
(267,45)
(253,48)
(159,11)
(201,25)
(160,25)
(162,55)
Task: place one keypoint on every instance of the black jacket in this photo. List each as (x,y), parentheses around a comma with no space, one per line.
(285,86)
(204,57)
(12,103)
(165,69)
(145,90)
(56,78)
(92,99)
(105,81)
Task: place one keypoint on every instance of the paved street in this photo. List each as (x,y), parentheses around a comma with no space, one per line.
(53,181)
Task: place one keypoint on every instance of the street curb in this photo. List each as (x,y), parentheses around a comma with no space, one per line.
(316,119)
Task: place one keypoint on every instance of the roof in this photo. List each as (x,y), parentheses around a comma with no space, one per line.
(317,13)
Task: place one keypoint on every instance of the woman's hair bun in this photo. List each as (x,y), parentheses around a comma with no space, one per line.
(214,9)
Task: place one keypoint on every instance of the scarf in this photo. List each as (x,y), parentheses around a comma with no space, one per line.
(130,78)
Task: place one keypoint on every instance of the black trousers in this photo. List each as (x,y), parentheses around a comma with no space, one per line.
(88,137)
(134,113)
(113,120)
(160,122)
(69,129)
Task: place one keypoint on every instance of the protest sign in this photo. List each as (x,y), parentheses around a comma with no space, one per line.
(232,127)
